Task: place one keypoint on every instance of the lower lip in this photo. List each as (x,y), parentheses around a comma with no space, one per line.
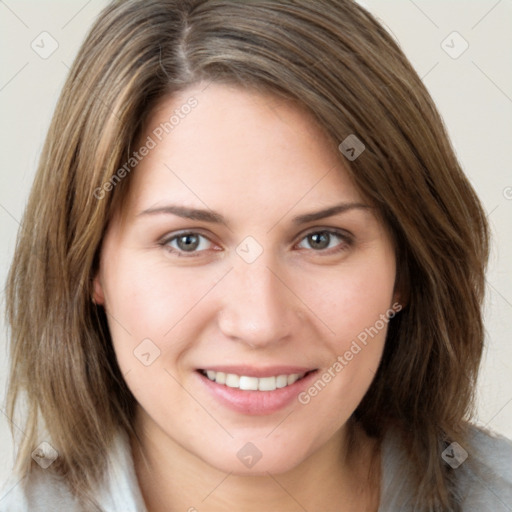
(256,402)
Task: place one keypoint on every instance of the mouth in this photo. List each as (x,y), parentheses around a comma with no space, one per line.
(256,391)
(251,383)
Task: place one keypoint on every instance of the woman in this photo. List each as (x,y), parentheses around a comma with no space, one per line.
(254,275)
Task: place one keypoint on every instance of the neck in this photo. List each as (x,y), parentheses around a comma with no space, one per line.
(337,478)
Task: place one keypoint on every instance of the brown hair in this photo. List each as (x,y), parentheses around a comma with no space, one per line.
(330,56)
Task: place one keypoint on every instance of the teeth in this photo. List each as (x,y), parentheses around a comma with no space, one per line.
(248,383)
(253,383)
(293,378)
(267,384)
(232,380)
(282,381)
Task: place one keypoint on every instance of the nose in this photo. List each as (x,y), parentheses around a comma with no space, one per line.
(258,308)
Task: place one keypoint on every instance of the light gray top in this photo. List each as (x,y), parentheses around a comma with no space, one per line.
(484,480)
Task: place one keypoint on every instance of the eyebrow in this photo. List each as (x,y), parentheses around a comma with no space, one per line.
(186,213)
(329,212)
(217,218)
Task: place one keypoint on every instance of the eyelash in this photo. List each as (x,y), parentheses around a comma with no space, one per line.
(346,241)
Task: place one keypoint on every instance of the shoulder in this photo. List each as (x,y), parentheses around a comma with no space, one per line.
(38,491)
(43,490)
(481,471)
(485,475)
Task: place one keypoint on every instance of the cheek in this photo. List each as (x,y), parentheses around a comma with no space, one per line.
(351,298)
(355,303)
(148,307)
(152,298)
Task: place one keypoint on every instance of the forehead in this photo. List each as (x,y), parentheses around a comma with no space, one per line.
(237,147)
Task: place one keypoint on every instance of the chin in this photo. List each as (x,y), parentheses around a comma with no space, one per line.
(259,457)
(276,463)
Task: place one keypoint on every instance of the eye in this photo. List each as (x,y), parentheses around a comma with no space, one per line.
(325,239)
(187,243)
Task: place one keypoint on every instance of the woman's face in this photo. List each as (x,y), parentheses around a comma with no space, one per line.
(246,259)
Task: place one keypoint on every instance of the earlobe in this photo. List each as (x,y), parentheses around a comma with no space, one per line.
(398,304)
(98,296)
(400,299)
(401,291)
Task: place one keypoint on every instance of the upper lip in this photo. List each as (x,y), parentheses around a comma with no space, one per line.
(253,371)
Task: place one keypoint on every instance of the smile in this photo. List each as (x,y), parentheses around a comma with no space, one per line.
(247,383)
(255,390)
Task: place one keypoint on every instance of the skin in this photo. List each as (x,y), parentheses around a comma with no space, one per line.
(259,162)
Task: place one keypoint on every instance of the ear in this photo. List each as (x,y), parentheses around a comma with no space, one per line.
(400,297)
(398,303)
(98,297)
(401,291)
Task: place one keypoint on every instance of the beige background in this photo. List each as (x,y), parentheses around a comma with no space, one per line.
(473,92)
